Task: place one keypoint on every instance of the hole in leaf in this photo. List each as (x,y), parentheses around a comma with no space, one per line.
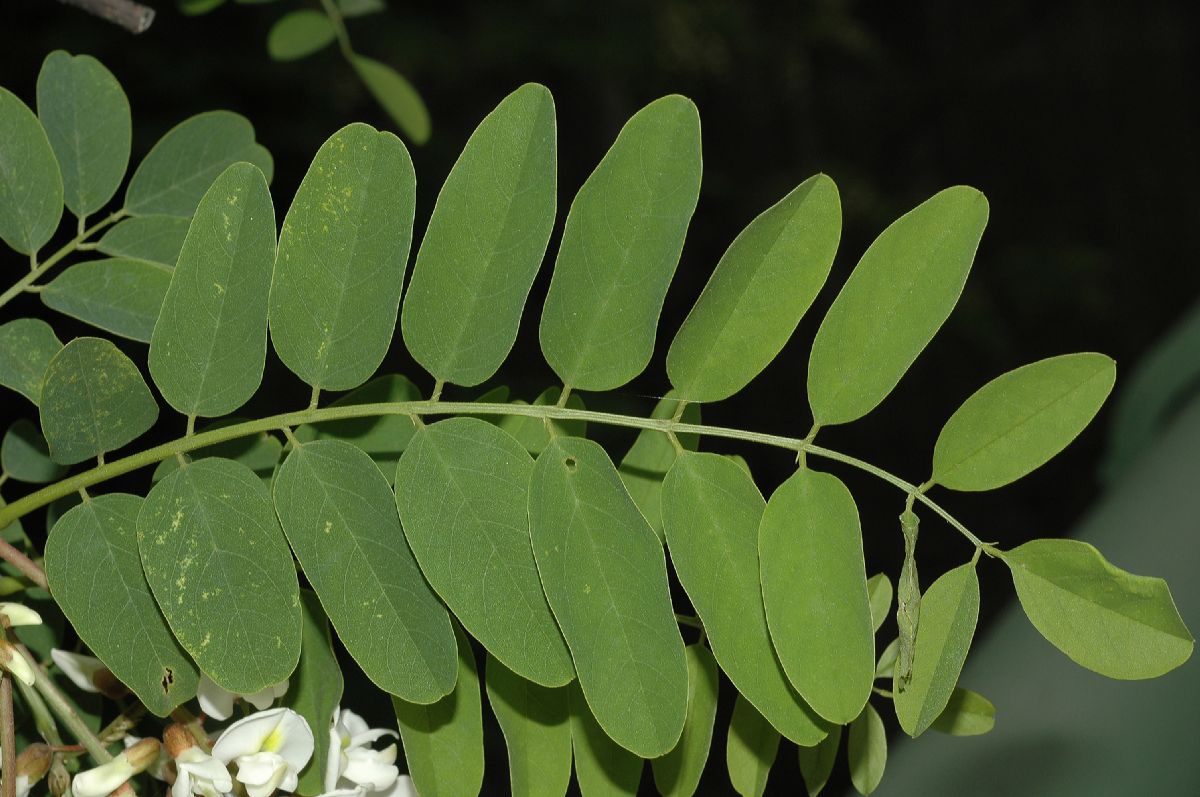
(570,464)
(168,679)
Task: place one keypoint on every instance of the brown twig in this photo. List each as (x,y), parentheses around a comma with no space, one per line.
(8,735)
(23,563)
(133,17)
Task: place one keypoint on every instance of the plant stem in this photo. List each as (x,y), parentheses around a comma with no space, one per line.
(22,562)
(152,456)
(339,28)
(43,720)
(70,246)
(59,704)
(8,736)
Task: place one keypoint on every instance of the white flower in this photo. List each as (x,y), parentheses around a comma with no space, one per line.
(106,778)
(270,748)
(79,668)
(15,662)
(355,792)
(403,787)
(352,762)
(199,773)
(217,702)
(19,614)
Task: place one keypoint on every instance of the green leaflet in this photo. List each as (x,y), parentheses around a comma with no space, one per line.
(535,721)
(342,255)
(679,771)
(816,763)
(31,185)
(885,665)
(210,343)
(761,288)
(531,432)
(605,576)
(86,117)
(115,615)
(603,768)
(967,714)
(260,452)
(298,34)
(178,170)
(220,570)
(443,741)
(315,690)
(750,749)
(620,247)
(194,8)
(25,456)
(900,294)
(1020,420)
(711,512)
(485,242)
(462,488)
(879,593)
(154,238)
(94,400)
(340,518)
(360,8)
(117,295)
(383,437)
(27,345)
(1104,618)
(814,589)
(867,750)
(397,96)
(651,457)
(949,611)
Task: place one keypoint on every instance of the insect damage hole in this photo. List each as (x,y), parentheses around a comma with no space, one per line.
(167,679)
(570,464)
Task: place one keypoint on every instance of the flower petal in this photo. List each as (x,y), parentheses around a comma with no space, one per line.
(372,769)
(19,614)
(79,668)
(280,731)
(102,780)
(215,701)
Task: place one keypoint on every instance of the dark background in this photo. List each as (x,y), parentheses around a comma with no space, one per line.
(1077,119)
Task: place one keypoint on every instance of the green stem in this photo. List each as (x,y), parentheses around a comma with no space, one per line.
(43,720)
(26,282)
(152,456)
(59,704)
(339,28)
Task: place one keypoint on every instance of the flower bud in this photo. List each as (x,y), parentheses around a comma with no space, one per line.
(143,755)
(178,739)
(34,762)
(12,660)
(59,780)
(14,614)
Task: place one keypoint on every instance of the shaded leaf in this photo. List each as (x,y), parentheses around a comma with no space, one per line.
(1020,420)
(532,432)
(443,741)
(605,576)
(383,437)
(27,345)
(343,251)
(209,346)
(259,452)
(360,8)
(885,666)
(602,767)
(485,242)
(867,749)
(814,589)
(879,593)
(750,749)
(221,572)
(535,721)
(967,714)
(25,455)
(31,185)
(154,238)
(94,400)
(898,296)
(620,247)
(462,488)
(115,615)
(949,611)
(816,763)
(646,463)
(711,512)
(340,518)
(315,690)
(1104,618)
(178,170)
(679,771)
(118,295)
(397,96)
(86,117)
(299,33)
(761,288)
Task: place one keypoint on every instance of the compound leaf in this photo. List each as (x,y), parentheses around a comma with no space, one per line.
(462,488)
(340,518)
(679,771)
(342,256)
(814,589)
(209,346)
(31,185)
(967,714)
(315,690)
(605,576)
(383,437)
(531,432)
(621,244)
(898,296)
(26,457)
(603,768)
(94,400)
(650,458)
(761,288)
(867,749)
(1020,420)
(219,567)
(178,170)
(535,721)
(443,741)
(816,763)
(485,242)
(27,345)
(154,238)
(260,452)
(1104,618)
(86,116)
(949,611)
(298,34)
(397,96)
(118,295)
(115,615)
(711,513)
(750,749)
